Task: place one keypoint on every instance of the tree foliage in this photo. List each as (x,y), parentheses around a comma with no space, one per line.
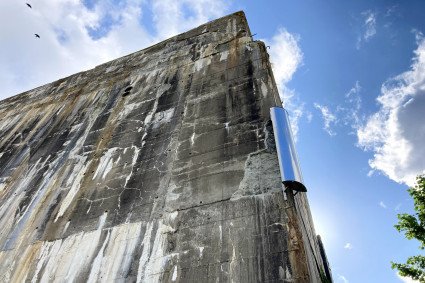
(413,227)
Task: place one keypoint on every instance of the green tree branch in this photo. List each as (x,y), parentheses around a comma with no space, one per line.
(413,227)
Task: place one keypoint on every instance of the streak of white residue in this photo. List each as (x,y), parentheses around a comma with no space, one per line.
(75,127)
(233,262)
(95,267)
(66,227)
(2,186)
(88,210)
(108,168)
(226,126)
(81,252)
(201,63)
(118,256)
(201,249)
(73,190)
(128,108)
(221,233)
(224,55)
(149,116)
(25,182)
(162,117)
(76,254)
(173,215)
(263,88)
(174,274)
(42,258)
(105,163)
(154,261)
(146,253)
(102,220)
(287,273)
(192,139)
(133,162)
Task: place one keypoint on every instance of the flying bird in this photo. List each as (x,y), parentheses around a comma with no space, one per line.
(36,35)
(28,5)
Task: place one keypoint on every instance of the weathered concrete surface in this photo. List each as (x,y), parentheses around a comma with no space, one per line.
(153,167)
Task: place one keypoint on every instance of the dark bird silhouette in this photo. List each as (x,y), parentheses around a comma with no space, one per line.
(28,5)
(36,35)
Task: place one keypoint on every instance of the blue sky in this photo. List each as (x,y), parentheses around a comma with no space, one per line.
(352,75)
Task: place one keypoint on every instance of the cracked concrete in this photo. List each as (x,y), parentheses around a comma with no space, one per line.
(154,167)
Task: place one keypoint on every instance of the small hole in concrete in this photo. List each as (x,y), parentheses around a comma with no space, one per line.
(106,211)
(200,201)
(127,91)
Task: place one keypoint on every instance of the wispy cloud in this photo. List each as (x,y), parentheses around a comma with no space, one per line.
(328,118)
(368,29)
(382,204)
(286,57)
(391,10)
(346,114)
(342,278)
(351,108)
(370,24)
(395,133)
(348,246)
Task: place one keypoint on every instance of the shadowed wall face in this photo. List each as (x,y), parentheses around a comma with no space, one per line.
(152,167)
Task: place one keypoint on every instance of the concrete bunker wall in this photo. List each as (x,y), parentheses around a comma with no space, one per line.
(152,167)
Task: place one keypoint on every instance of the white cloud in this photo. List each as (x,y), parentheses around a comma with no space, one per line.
(370,24)
(368,27)
(328,118)
(68,30)
(406,279)
(286,57)
(346,113)
(171,16)
(382,204)
(396,133)
(348,246)
(351,108)
(342,278)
